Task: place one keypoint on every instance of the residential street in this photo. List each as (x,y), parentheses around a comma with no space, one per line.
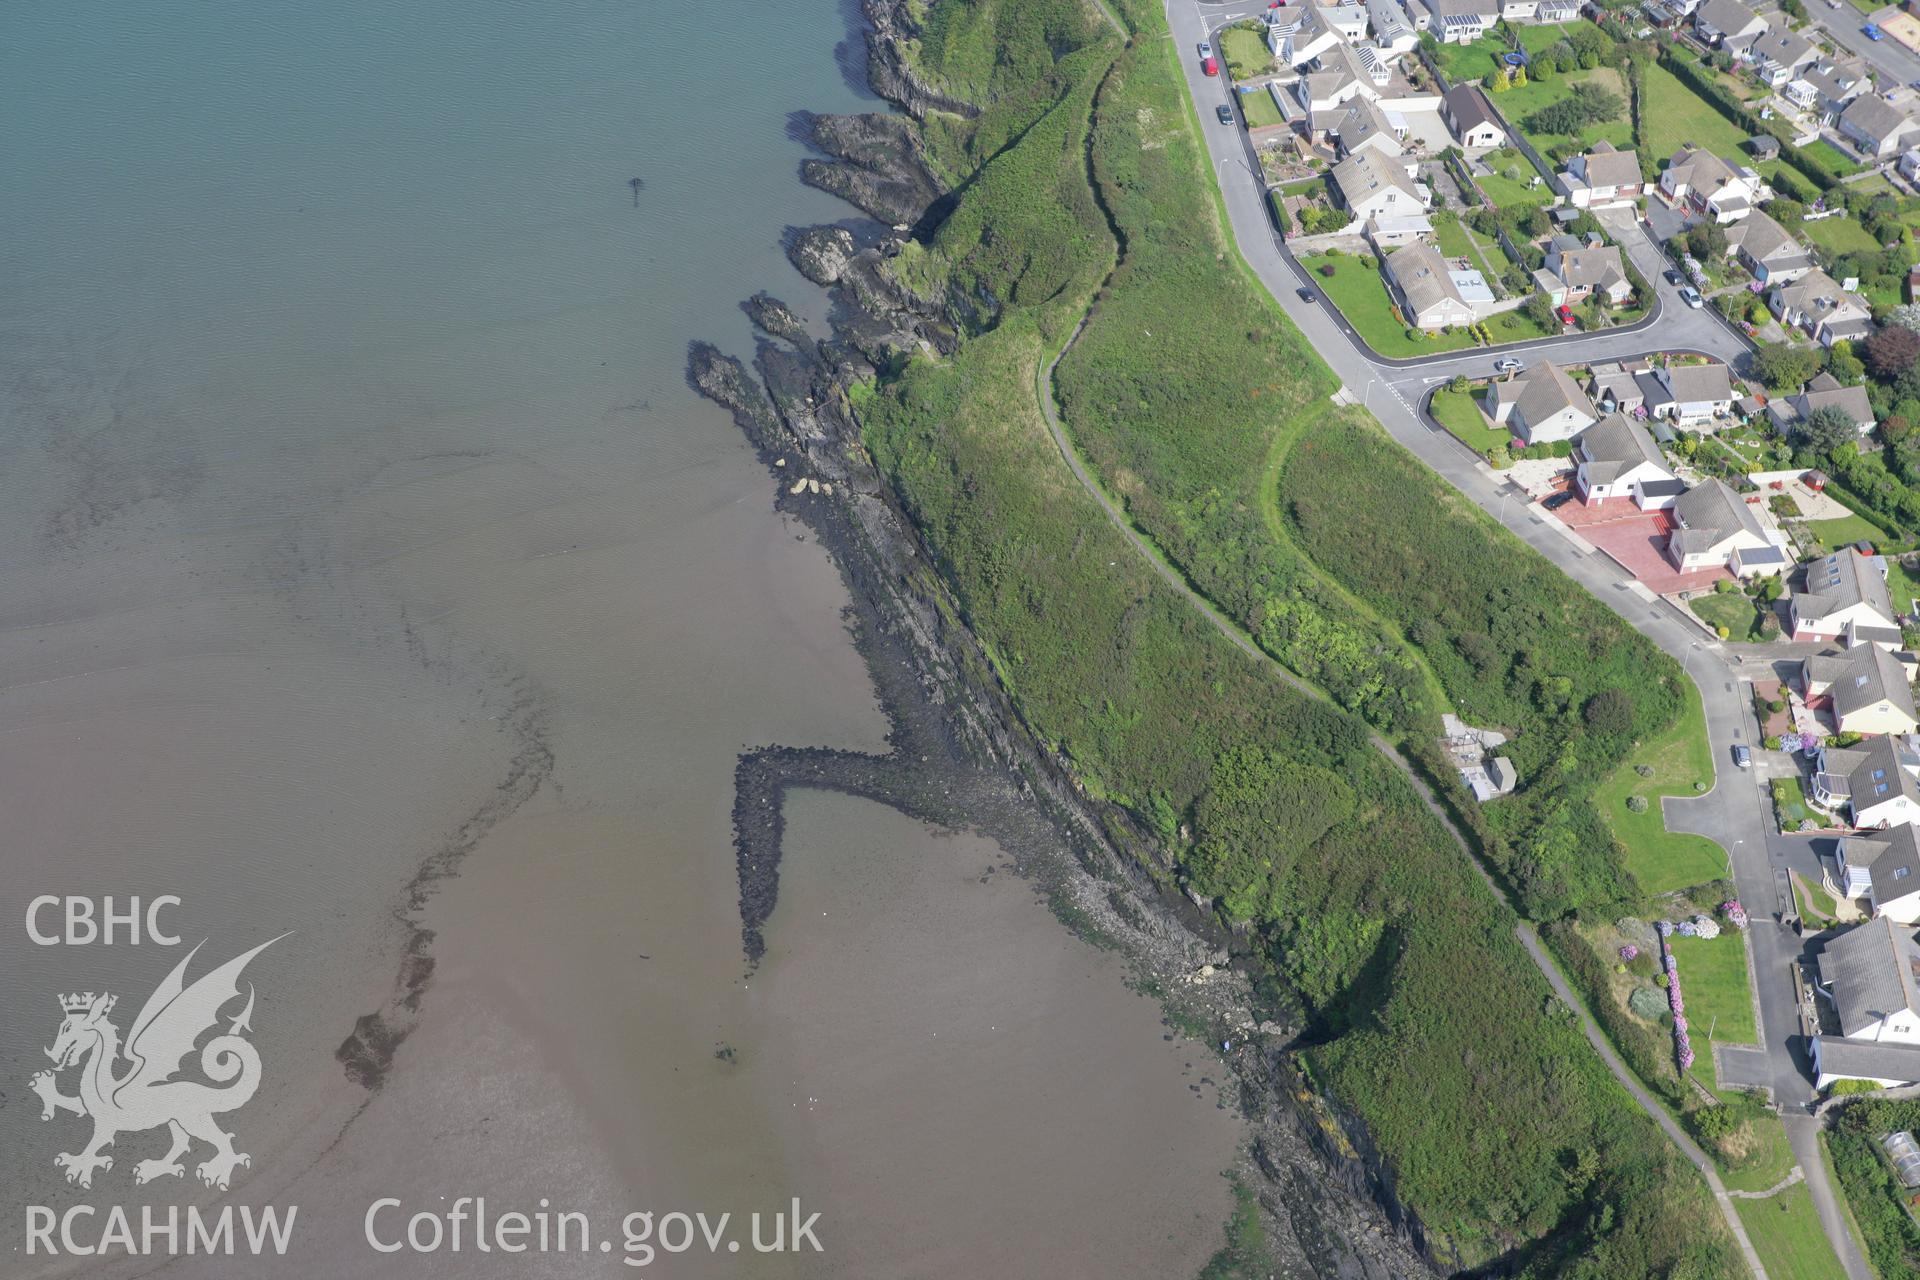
(1890,58)
(1736,813)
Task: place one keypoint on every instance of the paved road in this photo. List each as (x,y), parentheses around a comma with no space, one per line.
(1896,65)
(1735,811)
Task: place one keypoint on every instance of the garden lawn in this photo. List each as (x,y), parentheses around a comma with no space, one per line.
(1505,193)
(1839,235)
(1675,116)
(1842,164)
(1790,804)
(1734,610)
(1360,293)
(1259,108)
(1786,1232)
(1713,983)
(1246,53)
(1847,529)
(1902,586)
(1661,860)
(1456,241)
(1459,412)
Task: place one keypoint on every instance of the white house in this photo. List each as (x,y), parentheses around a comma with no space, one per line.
(1884,868)
(1871,976)
(1865,690)
(1877,126)
(1424,287)
(1695,393)
(1875,784)
(1845,599)
(1393,32)
(1728,24)
(1765,249)
(1456,21)
(1816,304)
(1617,458)
(1779,55)
(1710,187)
(1300,33)
(1715,526)
(1372,185)
(1542,404)
(1467,112)
(1603,178)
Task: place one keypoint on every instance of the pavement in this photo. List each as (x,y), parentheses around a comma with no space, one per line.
(1737,811)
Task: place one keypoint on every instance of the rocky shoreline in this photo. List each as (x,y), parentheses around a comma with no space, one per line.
(960,755)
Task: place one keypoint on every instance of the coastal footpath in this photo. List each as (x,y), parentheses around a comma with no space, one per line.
(1447,1067)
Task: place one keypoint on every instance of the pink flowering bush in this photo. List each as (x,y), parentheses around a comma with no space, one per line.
(1735,913)
(1629,951)
(1682,1043)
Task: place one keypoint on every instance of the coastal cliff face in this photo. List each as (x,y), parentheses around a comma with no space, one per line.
(962,755)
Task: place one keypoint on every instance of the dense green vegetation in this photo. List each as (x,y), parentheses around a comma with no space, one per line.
(1677,762)
(1873,1192)
(1513,642)
(1499,1126)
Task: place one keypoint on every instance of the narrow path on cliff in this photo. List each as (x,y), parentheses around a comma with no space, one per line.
(1529,939)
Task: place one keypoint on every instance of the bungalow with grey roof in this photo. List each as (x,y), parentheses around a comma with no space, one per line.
(1878,127)
(1844,598)
(1767,250)
(1728,24)
(1883,867)
(1372,185)
(1695,393)
(1363,125)
(1603,178)
(1876,784)
(1617,458)
(1578,271)
(1455,21)
(1715,527)
(1823,392)
(1542,404)
(1865,690)
(1870,975)
(1779,55)
(1710,186)
(1423,284)
(1471,117)
(1817,305)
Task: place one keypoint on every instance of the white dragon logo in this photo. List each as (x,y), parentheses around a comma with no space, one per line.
(146,1095)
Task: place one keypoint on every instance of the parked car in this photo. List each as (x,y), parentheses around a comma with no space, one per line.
(1307,295)
(1742,756)
(1873,32)
(1206,49)
(1674,278)
(1565,313)
(1211,66)
(1225,113)
(1555,501)
(1506,364)
(1691,296)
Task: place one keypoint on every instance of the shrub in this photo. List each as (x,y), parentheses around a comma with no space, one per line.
(1636,804)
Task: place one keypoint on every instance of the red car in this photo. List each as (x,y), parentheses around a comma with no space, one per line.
(1566,314)
(1211,66)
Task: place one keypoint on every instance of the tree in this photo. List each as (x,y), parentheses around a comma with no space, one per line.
(1609,711)
(1784,366)
(1844,365)
(1784,211)
(1707,240)
(1825,430)
(1459,384)
(1540,311)
(1891,352)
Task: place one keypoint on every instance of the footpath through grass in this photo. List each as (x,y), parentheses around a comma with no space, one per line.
(1786,1232)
